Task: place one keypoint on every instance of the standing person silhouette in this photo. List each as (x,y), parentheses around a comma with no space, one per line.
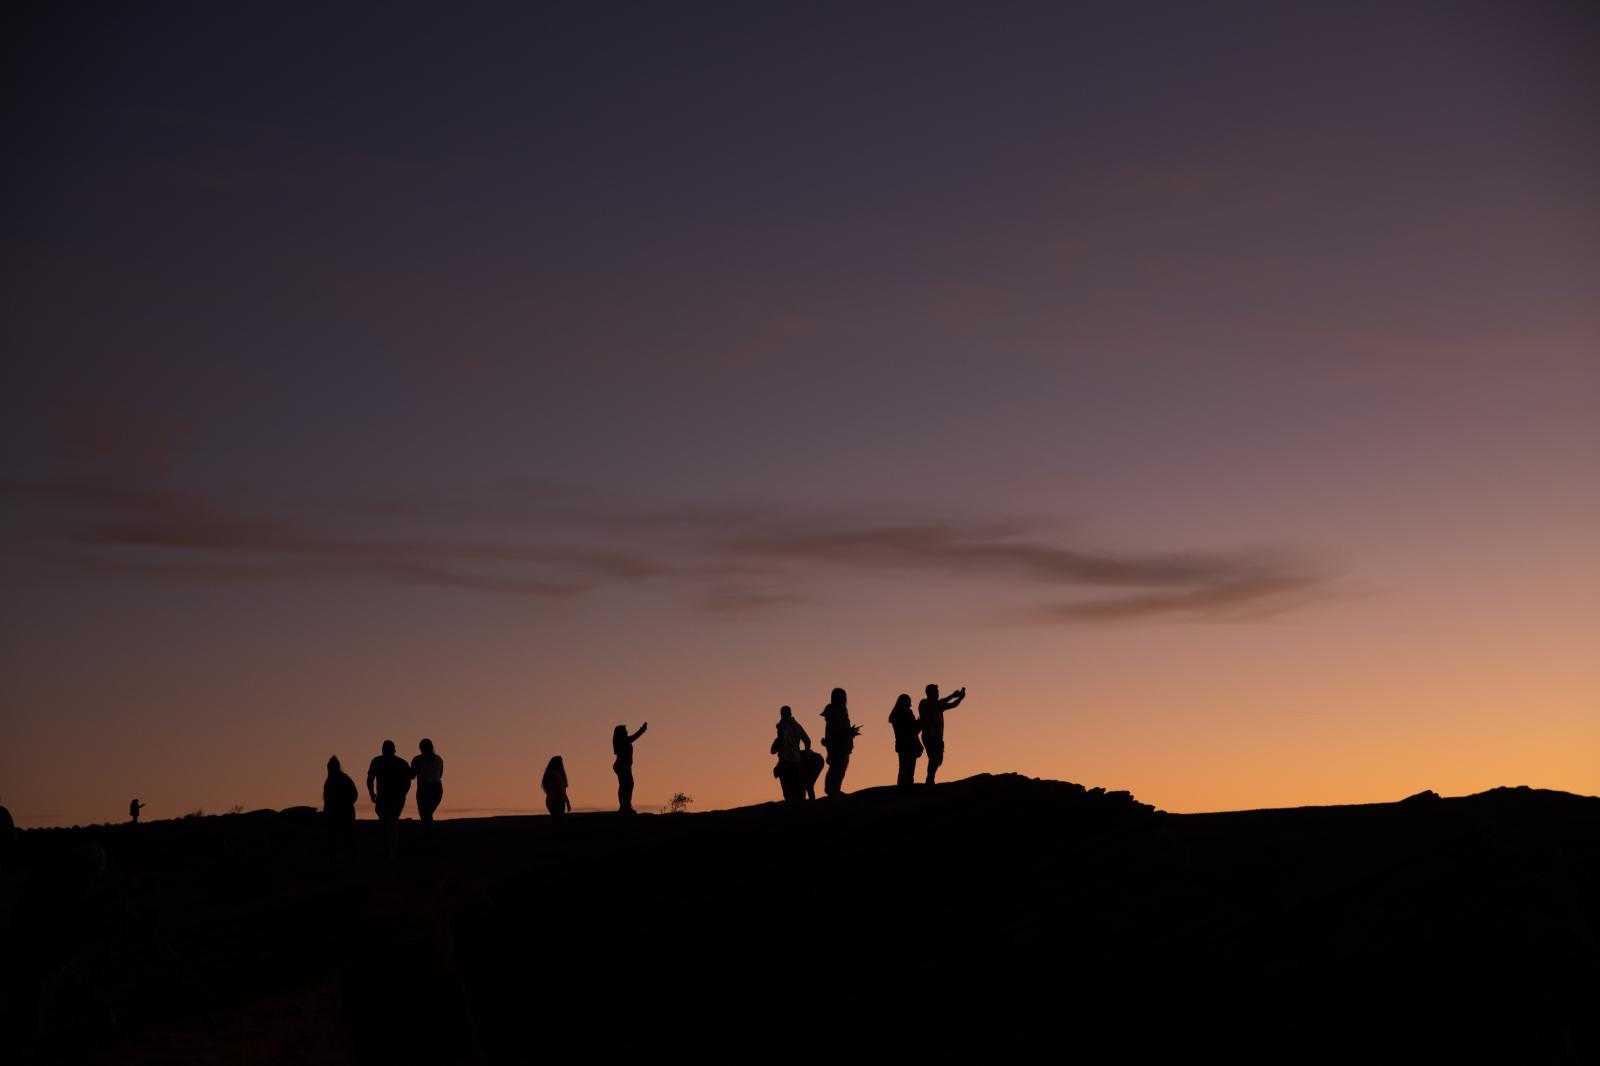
(622,748)
(134,807)
(906,745)
(393,777)
(428,769)
(839,737)
(554,783)
(787,747)
(931,712)
(339,797)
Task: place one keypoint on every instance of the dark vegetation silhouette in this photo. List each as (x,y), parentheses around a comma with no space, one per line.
(930,715)
(339,797)
(1058,920)
(622,748)
(839,737)
(428,769)
(388,782)
(554,783)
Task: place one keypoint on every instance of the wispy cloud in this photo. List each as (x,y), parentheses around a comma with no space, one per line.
(550,542)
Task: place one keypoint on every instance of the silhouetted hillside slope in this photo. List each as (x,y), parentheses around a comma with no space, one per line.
(996,916)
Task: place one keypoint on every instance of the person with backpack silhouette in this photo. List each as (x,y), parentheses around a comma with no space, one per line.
(839,737)
(792,762)
(906,745)
(931,714)
(392,777)
(554,783)
(622,748)
(339,807)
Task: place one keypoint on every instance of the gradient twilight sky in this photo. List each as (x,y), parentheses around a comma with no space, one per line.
(1213,389)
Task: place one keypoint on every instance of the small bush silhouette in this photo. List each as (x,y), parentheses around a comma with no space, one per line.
(237,808)
(678,804)
(198,812)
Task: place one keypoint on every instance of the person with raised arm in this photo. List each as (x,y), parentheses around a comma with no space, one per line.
(622,748)
(931,714)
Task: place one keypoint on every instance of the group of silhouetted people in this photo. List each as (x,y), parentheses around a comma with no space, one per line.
(389,777)
(914,733)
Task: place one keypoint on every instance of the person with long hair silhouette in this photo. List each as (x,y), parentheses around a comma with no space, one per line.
(906,745)
(554,783)
(339,797)
(931,713)
(428,768)
(622,748)
(392,777)
(839,737)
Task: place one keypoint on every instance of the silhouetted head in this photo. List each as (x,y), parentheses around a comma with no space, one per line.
(903,703)
(388,747)
(619,733)
(933,692)
(426,745)
(333,765)
(785,711)
(555,766)
(837,699)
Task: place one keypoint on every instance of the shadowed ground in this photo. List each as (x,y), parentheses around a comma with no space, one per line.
(996,916)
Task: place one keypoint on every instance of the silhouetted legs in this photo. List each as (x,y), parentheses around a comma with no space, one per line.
(833,784)
(625,789)
(429,793)
(908,769)
(935,758)
(810,770)
(556,805)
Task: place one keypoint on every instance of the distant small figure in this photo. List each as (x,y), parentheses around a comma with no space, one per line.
(622,748)
(134,807)
(339,797)
(906,745)
(839,737)
(428,769)
(931,712)
(554,783)
(393,778)
(788,746)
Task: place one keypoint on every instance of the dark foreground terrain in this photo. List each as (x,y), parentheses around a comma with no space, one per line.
(996,917)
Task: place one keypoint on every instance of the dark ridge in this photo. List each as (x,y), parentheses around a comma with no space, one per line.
(997,916)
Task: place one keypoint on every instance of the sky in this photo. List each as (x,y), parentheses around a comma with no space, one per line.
(1212,390)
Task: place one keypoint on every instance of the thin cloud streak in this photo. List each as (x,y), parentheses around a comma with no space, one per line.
(733,560)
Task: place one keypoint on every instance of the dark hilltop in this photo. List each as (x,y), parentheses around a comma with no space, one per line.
(997,916)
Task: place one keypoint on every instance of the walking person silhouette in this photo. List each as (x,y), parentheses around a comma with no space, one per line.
(554,783)
(428,769)
(839,737)
(931,712)
(339,797)
(393,778)
(906,745)
(622,748)
(787,747)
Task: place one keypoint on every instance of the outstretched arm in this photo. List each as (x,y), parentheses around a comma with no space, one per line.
(952,701)
(640,733)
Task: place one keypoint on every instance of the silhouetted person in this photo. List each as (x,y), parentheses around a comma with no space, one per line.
(810,770)
(554,783)
(134,807)
(622,748)
(931,712)
(787,746)
(339,797)
(839,737)
(906,744)
(428,769)
(393,778)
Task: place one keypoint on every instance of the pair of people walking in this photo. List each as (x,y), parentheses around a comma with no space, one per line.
(798,766)
(554,781)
